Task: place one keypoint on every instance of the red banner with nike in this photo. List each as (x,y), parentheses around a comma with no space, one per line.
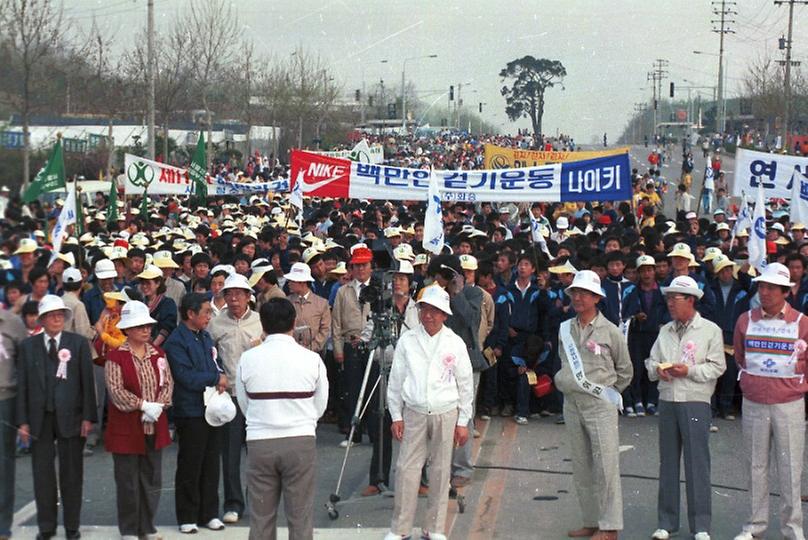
(600,179)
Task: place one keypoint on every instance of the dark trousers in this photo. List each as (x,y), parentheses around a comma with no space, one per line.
(382,449)
(234,435)
(353,369)
(641,389)
(281,466)
(489,394)
(138,481)
(724,396)
(71,476)
(8,436)
(334,395)
(684,428)
(196,482)
(505,390)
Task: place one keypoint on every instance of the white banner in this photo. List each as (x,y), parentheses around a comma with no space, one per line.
(161,179)
(361,152)
(774,171)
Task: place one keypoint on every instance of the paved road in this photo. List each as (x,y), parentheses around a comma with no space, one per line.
(522,488)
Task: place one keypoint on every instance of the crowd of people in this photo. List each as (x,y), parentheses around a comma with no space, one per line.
(233,324)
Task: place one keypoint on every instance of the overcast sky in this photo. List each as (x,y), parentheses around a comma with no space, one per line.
(607,47)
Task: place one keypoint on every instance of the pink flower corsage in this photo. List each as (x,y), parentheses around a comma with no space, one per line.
(161,369)
(64,358)
(593,347)
(449,362)
(689,353)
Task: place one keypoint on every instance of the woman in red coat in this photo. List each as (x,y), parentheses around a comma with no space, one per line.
(139,386)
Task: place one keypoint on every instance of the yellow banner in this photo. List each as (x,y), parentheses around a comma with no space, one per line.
(499,157)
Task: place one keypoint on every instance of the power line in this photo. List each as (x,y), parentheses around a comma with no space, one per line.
(788,43)
(725,14)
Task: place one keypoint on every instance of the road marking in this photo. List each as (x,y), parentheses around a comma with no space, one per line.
(171,533)
(24,514)
(485,516)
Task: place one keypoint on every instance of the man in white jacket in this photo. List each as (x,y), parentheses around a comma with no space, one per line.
(282,389)
(429,396)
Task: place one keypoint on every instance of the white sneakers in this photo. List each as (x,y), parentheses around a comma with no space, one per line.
(393,536)
(702,536)
(745,536)
(660,534)
(215,524)
(425,535)
(189,528)
(230,517)
(345,443)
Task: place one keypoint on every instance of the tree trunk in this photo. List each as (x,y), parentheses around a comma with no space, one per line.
(165,141)
(26,152)
(110,147)
(300,132)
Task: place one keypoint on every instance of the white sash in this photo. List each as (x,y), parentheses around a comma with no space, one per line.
(576,364)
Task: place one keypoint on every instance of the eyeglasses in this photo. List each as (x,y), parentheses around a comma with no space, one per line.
(674,297)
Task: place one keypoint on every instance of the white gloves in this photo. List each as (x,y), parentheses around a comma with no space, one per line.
(151,411)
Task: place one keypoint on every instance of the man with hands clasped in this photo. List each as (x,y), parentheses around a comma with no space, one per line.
(429,396)
(687,358)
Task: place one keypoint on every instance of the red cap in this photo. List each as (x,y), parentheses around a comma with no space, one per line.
(605,219)
(120,242)
(771,247)
(361,255)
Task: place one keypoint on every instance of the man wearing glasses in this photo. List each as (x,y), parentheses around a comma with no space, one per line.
(687,358)
(595,369)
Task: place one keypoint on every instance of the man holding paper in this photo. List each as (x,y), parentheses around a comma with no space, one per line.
(688,358)
(595,369)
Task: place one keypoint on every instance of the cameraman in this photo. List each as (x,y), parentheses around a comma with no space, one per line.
(348,319)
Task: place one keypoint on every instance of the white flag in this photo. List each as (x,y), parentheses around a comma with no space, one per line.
(66,217)
(361,152)
(433,222)
(538,237)
(296,198)
(757,236)
(799,198)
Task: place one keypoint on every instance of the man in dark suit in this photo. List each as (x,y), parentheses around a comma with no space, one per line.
(56,404)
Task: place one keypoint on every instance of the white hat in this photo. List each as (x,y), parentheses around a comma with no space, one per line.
(133,314)
(299,272)
(105,269)
(26,245)
(403,253)
(566,268)
(468,262)
(150,272)
(309,254)
(391,232)
(163,259)
(778,227)
(691,215)
(420,259)
(71,275)
(51,302)
(645,260)
(220,409)
(404,267)
(224,268)
(436,296)
(257,274)
(776,274)
(680,249)
(718,211)
(588,281)
(237,281)
(720,262)
(683,285)
(562,223)
(711,253)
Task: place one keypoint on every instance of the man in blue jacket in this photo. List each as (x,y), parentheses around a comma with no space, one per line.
(497,339)
(524,323)
(195,367)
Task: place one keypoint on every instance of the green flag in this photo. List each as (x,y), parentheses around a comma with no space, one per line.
(50,177)
(198,171)
(112,204)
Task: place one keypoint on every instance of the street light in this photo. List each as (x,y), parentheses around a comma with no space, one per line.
(720,104)
(403,92)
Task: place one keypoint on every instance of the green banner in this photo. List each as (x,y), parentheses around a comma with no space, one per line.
(112,204)
(198,172)
(50,177)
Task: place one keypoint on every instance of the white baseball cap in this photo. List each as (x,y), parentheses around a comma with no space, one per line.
(683,285)
(220,409)
(776,274)
(468,262)
(51,302)
(105,269)
(588,281)
(436,296)
(134,314)
(562,223)
(300,272)
(26,245)
(71,275)
(645,260)
(237,281)
(404,267)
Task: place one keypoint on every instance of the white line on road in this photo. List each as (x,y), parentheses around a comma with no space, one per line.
(24,514)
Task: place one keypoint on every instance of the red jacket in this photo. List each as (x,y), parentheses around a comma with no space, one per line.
(124,434)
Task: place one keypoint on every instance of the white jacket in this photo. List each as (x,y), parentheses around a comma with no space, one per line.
(289,388)
(431,375)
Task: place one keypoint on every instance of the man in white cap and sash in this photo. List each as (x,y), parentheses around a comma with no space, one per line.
(770,346)
(595,369)
(429,395)
(688,358)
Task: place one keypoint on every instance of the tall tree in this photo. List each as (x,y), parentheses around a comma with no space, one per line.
(212,31)
(33,30)
(531,79)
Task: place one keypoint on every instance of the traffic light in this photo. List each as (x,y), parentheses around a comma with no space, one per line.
(451,93)
(781,43)
(671,89)
(391,111)
(357,96)
(481,108)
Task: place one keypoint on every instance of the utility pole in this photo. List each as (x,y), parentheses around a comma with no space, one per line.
(724,10)
(150,79)
(639,108)
(788,64)
(656,77)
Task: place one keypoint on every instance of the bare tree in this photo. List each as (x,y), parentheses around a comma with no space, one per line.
(312,91)
(212,32)
(763,87)
(34,29)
